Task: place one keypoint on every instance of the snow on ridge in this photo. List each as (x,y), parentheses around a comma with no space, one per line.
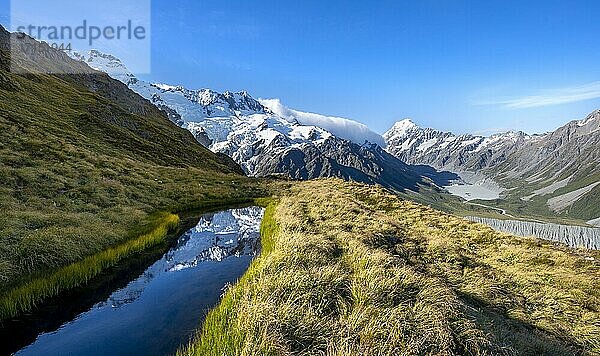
(165,87)
(470,142)
(404,125)
(344,128)
(402,128)
(589,119)
(406,136)
(427,144)
(105,63)
(217,104)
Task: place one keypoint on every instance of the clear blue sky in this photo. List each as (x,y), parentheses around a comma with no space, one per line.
(478,66)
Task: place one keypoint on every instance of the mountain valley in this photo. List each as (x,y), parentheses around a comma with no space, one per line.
(556,173)
(148,218)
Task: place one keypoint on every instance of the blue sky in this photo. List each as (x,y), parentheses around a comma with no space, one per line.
(477,66)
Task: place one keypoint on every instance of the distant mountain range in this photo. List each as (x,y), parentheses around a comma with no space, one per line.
(555,173)
(266,138)
(559,171)
(445,150)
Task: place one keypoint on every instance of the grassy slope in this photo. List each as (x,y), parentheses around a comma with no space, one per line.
(350,269)
(27,295)
(85,171)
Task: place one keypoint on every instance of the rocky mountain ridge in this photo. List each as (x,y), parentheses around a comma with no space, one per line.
(448,151)
(558,170)
(266,138)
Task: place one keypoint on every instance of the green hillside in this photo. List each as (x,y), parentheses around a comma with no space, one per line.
(86,164)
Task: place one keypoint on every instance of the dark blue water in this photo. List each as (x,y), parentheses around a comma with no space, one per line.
(158,311)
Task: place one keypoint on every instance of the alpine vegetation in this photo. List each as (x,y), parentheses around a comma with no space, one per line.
(143,213)
(350,269)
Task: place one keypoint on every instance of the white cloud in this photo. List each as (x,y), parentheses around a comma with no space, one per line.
(343,128)
(551,97)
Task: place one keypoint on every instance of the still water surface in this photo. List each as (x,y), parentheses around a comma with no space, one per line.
(158,311)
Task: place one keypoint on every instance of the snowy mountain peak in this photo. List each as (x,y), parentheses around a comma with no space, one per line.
(401,128)
(406,123)
(198,105)
(344,128)
(93,56)
(590,119)
(263,136)
(104,62)
(445,150)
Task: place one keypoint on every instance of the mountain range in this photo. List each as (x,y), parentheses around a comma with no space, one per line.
(556,172)
(266,138)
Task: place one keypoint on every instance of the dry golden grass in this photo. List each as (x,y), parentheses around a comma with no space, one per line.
(353,270)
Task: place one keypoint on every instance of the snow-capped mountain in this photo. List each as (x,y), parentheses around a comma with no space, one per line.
(265,137)
(559,168)
(340,127)
(228,104)
(447,151)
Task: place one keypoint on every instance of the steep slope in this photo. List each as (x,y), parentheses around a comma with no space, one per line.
(560,170)
(553,173)
(86,163)
(334,157)
(569,148)
(266,138)
(445,150)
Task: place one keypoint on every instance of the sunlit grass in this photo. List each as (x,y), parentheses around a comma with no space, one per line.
(353,270)
(26,296)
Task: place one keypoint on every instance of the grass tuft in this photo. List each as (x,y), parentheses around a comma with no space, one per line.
(25,297)
(349,269)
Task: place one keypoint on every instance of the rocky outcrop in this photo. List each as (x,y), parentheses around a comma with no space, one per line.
(339,158)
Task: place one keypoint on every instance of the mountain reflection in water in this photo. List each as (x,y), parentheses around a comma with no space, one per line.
(158,311)
(215,237)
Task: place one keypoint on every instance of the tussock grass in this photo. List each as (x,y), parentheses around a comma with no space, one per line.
(85,162)
(353,270)
(26,296)
(220,335)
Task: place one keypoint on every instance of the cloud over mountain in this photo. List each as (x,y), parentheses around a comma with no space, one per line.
(344,128)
